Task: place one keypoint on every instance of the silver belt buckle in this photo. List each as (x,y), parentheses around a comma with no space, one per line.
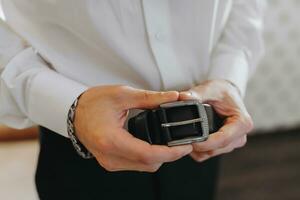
(202,119)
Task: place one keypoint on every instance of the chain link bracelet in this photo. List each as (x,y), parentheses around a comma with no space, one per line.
(80,149)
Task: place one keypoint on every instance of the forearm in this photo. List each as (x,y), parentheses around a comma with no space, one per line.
(240,45)
(31,92)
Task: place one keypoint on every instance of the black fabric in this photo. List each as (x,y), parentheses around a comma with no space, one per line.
(147,124)
(62,174)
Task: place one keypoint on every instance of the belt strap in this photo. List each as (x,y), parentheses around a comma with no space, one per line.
(176,123)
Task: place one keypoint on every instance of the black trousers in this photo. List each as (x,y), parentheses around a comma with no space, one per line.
(62,174)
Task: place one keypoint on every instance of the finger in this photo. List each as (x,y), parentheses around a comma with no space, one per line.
(149,99)
(187,95)
(202,156)
(229,132)
(200,93)
(199,157)
(226,103)
(141,151)
(115,163)
(238,143)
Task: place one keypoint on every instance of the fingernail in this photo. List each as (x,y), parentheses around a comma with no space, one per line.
(187,93)
(190,93)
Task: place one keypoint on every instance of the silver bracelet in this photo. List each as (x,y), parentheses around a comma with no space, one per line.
(80,149)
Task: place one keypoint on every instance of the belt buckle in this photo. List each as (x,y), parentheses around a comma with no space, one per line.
(201,118)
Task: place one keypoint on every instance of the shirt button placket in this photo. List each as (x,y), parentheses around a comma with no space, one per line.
(159,30)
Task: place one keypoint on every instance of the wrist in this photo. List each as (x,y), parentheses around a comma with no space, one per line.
(223,83)
(79,147)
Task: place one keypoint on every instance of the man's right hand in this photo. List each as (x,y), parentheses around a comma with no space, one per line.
(99,119)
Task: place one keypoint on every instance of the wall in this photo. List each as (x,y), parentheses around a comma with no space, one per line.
(273,96)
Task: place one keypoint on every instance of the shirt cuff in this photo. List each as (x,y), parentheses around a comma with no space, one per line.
(51,96)
(10,44)
(233,68)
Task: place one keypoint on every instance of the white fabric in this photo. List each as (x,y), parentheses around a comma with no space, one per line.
(154,44)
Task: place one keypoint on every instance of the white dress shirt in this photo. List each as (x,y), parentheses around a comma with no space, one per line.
(149,44)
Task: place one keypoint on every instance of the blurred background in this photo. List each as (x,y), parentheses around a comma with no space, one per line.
(268,168)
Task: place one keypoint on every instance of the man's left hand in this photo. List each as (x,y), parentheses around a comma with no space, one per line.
(227,101)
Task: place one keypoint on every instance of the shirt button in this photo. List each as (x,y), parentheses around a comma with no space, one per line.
(159,36)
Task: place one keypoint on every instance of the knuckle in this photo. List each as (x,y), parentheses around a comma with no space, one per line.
(200,158)
(107,165)
(110,169)
(146,158)
(225,141)
(200,147)
(197,158)
(248,123)
(243,141)
(119,90)
(211,153)
(152,168)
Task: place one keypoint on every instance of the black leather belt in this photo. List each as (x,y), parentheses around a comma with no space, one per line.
(176,123)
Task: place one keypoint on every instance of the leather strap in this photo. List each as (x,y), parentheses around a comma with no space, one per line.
(147,125)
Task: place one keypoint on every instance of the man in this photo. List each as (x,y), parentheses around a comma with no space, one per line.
(115,56)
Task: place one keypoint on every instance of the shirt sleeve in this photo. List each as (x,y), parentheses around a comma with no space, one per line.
(30,91)
(240,45)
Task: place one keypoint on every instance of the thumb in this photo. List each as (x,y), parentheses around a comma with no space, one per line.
(189,95)
(150,99)
(200,93)
(186,95)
